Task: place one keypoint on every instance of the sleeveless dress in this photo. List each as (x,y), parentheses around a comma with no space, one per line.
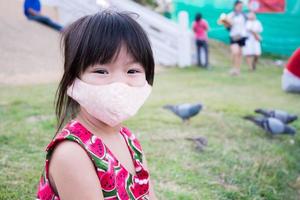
(116,182)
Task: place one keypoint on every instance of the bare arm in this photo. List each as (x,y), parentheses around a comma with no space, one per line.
(73,173)
(227,21)
(194,27)
(227,24)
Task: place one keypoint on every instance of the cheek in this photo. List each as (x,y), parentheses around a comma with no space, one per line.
(139,80)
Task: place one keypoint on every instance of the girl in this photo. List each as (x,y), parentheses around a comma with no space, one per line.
(252,48)
(236,23)
(108,74)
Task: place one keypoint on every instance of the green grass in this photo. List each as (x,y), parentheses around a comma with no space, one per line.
(240,161)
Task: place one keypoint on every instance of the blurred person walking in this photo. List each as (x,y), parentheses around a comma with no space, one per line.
(32,10)
(252,48)
(235,22)
(200,28)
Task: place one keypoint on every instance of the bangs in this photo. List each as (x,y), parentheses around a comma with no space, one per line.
(97,39)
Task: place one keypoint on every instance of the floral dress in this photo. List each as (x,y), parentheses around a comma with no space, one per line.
(116,182)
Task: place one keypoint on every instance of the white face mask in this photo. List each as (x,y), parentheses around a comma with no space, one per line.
(112,103)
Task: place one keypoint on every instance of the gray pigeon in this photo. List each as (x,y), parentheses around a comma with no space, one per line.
(278,114)
(201,142)
(272,125)
(185,111)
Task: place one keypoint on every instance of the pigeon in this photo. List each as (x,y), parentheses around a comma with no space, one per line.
(201,142)
(185,111)
(272,125)
(278,114)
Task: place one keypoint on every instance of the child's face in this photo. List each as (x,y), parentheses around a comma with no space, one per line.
(122,69)
(239,7)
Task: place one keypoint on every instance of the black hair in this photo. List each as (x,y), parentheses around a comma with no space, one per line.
(237,2)
(198,17)
(97,39)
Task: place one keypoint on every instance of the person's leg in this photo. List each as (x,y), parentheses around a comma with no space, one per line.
(54,25)
(46,21)
(255,60)
(241,43)
(239,58)
(201,42)
(236,57)
(249,61)
(198,46)
(205,46)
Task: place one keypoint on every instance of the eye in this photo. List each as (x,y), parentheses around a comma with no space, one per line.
(101,71)
(133,71)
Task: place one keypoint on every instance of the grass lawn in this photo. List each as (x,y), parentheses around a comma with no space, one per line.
(240,161)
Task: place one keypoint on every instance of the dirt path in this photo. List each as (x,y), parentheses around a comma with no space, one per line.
(29,52)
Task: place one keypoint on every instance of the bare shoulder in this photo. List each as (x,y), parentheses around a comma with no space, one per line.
(66,151)
(73,173)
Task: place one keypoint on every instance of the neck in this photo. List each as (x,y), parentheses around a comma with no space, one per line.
(96,126)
